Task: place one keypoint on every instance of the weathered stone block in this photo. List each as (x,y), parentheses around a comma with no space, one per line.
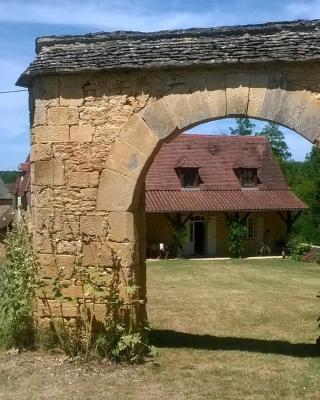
(179,107)
(66,309)
(81,133)
(73,291)
(46,267)
(273,97)
(200,106)
(291,107)
(65,263)
(126,226)
(139,136)
(46,88)
(309,122)
(40,113)
(98,309)
(95,254)
(63,116)
(55,134)
(42,242)
(68,247)
(115,192)
(237,92)
(92,225)
(41,151)
(257,92)
(82,179)
(71,90)
(125,159)
(126,253)
(48,173)
(215,85)
(159,119)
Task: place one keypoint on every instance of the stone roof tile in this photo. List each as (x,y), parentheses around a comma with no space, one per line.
(280,41)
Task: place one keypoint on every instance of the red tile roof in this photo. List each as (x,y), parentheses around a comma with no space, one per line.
(220,190)
(25,181)
(222,200)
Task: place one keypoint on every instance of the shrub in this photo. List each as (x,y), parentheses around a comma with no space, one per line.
(298,247)
(17,288)
(237,237)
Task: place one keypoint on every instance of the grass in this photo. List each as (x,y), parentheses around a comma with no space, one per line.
(238,329)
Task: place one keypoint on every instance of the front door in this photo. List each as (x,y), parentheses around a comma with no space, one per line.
(199,238)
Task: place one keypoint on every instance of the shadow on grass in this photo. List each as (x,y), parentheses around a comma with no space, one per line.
(174,339)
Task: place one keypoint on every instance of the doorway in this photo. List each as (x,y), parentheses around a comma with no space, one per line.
(199,238)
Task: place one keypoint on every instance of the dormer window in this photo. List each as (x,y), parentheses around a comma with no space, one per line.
(187,170)
(189,177)
(248,177)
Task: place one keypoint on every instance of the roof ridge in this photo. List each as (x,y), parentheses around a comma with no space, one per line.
(267,27)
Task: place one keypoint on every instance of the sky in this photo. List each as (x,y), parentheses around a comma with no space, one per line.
(21,21)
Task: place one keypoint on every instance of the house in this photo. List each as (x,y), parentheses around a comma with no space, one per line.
(6,209)
(204,181)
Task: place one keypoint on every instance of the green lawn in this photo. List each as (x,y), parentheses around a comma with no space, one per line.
(225,329)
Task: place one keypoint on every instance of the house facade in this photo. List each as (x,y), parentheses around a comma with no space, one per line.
(202,182)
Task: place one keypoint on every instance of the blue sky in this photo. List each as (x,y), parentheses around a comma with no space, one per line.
(21,21)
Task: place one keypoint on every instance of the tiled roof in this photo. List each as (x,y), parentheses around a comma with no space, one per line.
(25,182)
(263,43)
(216,167)
(223,200)
(220,190)
(14,186)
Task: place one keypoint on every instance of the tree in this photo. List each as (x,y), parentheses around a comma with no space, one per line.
(244,127)
(277,141)
(237,236)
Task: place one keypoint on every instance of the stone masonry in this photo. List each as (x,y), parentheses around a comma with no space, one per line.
(97,122)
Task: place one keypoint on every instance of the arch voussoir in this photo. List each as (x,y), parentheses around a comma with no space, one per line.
(237,93)
(309,121)
(159,119)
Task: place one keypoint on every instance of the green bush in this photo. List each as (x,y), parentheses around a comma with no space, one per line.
(237,237)
(298,247)
(17,288)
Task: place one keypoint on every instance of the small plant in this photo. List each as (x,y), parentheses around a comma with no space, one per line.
(17,289)
(115,337)
(180,237)
(298,247)
(237,237)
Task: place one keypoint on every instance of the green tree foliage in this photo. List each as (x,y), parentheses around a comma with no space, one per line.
(17,289)
(277,141)
(303,179)
(244,127)
(237,237)
(9,176)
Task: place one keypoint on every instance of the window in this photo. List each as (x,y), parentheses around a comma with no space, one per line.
(250,229)
(248,177)
(189,177)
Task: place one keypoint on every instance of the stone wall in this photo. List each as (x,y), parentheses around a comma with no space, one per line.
(93,137)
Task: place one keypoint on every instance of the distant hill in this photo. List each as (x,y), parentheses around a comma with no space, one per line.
(9,176)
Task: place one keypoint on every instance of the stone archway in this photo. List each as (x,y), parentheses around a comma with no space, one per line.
(101,105)
(266,96)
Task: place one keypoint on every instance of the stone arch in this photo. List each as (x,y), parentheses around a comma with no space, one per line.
(265,96)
